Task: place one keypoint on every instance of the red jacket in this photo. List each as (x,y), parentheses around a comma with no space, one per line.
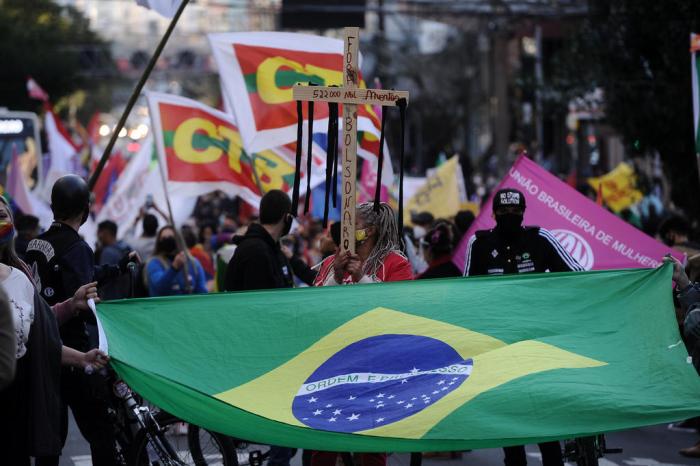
(394,268)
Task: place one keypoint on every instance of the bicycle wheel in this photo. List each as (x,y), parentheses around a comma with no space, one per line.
(250,454)
(587,451)
(184,445)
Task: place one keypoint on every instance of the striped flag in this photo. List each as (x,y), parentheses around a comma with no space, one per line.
(35,91)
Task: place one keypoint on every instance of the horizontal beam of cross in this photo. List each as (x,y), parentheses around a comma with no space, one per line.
(346,95)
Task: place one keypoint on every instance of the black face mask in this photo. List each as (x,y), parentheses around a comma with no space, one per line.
(509,224)
(167,245)
(288,219)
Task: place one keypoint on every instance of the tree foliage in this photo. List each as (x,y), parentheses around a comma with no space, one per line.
(638,52)
(51,43)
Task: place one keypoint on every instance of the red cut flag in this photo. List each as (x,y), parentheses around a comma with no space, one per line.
(35,91)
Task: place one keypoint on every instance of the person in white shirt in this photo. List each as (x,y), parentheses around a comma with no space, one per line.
(30,423)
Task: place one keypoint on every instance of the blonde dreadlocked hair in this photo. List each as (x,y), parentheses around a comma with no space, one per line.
(388,239)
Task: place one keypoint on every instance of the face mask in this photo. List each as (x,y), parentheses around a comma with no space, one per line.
(167,245)
(7,232)
(288,220)
(419,232)
(509,223)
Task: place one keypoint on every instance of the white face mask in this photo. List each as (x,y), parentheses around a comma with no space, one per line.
(419,232)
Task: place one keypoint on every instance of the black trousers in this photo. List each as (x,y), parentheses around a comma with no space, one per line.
(87,396)
(551,455)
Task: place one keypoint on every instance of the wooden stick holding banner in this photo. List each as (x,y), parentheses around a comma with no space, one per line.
(178,236)
(135,95)
(350,96)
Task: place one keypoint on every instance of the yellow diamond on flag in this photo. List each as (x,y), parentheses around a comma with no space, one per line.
(392,374)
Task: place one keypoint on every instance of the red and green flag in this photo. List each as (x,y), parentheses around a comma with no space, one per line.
(202,151)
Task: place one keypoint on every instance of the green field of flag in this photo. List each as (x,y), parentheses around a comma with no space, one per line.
(447,364)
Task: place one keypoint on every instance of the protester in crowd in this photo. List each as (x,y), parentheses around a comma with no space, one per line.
(31,404)
(687,294)
(167,270)
(224,254)
(111,250)
(675,231)
(463,221)
(437,247)
(328,245)
(378,258)
(63,262)
(513,248)
(422,222)
(203,249)
(258,263)
(8,342)
(145,243)
(27,227)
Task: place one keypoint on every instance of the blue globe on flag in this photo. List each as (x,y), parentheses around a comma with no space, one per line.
(379,380)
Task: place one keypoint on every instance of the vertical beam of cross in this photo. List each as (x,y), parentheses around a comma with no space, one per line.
(350,96)
(351,73)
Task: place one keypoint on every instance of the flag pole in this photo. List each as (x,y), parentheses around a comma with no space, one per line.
(135,95)
(178,236)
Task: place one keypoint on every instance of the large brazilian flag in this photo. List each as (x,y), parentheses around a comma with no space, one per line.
(414,366)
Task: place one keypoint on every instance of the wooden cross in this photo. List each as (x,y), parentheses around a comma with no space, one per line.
(350,96)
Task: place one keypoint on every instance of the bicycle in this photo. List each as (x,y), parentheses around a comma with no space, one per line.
(585,451)
(147,436)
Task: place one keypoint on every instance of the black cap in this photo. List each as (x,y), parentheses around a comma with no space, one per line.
(70,197)
(508,197)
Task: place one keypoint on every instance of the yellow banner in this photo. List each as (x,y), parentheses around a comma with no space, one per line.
(439,195)
(618,187)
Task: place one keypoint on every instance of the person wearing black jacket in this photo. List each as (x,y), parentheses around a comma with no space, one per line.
(259,263)
(61,262)
(512,248)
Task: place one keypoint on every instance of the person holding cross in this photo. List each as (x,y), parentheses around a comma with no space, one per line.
(378,256)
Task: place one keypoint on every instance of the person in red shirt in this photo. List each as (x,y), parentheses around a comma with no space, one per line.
(378,258)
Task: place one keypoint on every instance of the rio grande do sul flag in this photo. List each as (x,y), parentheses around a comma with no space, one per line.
(414,366)
(258,70)
(202,151)
(596,238)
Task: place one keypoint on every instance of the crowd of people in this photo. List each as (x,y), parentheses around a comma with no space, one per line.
(48,279)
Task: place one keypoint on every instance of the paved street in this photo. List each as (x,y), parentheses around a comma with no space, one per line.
(651,446)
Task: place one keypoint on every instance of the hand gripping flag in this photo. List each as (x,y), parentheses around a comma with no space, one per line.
(414,366)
